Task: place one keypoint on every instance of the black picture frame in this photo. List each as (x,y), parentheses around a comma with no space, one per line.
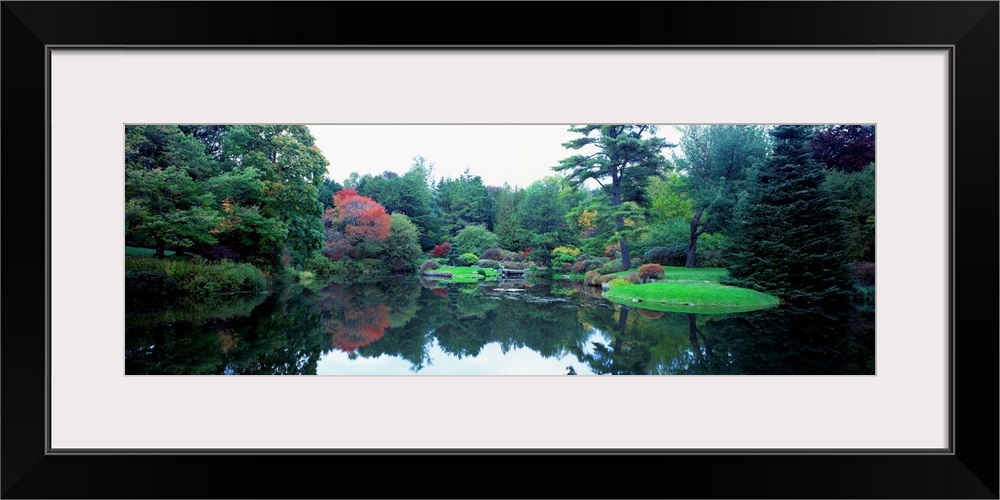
(970,29)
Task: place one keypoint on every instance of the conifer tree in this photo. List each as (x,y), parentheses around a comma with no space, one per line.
(790,238)
(626,157)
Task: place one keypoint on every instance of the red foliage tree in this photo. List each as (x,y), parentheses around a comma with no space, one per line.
(650,271)
(351,318)
(361,327)
(847,148)
(353,224)
(441,250)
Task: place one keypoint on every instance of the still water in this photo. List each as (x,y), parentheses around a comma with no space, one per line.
(414,327)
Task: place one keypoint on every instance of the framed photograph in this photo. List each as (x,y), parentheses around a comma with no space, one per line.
(88,87)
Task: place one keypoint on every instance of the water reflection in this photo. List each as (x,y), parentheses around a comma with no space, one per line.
(409,326)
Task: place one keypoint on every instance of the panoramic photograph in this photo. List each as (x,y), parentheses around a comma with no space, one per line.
(492,250)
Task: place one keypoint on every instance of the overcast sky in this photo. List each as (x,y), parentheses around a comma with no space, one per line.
(516,154)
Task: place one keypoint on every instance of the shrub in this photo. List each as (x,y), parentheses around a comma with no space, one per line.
(469,258)
(441,250)
(618,282)
(650,272)
(493,254)
(526,252)
(510,256)
(711,258)
(565,254)
(863,273)
(587,265)
(324,270)
(647,313)
(370,269)
(633,278)
(428,265)
(148,286)
(667,256)
(571,251)
(863,297)
(476,239)
(613,251)
(514,265)
(218,252)
(489,263)
(590,279)
(614,266)
(195,277)
(222,277)
(605,278)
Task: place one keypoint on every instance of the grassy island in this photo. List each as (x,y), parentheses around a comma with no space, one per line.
(694,297)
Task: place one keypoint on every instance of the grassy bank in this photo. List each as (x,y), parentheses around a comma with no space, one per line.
(673,273)
(151,278)
(464,274)
(692,297)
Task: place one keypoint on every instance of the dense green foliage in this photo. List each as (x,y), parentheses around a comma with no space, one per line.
(627,157)
(463,202)
(716,160)
(147,277)
(402,247)
(541,215)
(409,194)
(790,240)
(855,194)
(240,192)
(475,240)
(786,209)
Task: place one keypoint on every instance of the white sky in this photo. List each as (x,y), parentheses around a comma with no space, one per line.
(516,154)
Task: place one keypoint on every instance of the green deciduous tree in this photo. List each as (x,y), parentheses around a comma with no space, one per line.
(409,194)
(464,201)
(623,159)
(716,161)
(541,218)
(291,168)
(475,239)
(326,189)
(402,247)
(164,201)
(855,192)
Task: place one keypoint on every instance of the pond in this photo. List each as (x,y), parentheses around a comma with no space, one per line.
(410,326)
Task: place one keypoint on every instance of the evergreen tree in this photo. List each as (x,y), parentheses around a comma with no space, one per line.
(452,257)
(789,239)
(626,157)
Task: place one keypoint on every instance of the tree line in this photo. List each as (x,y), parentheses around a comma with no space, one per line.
(786,209)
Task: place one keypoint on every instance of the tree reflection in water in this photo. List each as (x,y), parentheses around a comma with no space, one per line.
(408,319)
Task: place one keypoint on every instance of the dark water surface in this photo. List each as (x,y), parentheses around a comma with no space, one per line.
(409,326)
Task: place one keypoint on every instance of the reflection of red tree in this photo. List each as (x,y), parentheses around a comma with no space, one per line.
(361,326)
(647,313)
(440,292)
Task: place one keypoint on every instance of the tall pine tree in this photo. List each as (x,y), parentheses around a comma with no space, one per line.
(626,157)
(789,239)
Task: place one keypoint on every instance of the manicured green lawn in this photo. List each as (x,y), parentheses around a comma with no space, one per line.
(465,274)
(693,297)
(673,274)
(686,274)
